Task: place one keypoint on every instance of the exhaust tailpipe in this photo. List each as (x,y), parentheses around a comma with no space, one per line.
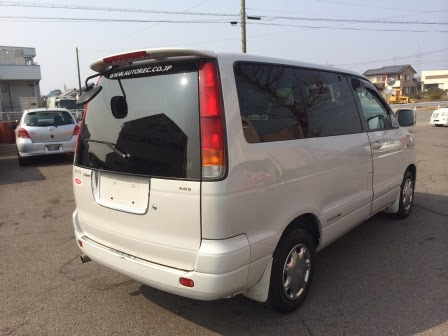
(85,258)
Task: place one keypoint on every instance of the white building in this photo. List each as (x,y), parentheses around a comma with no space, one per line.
(435,78)
(19,79)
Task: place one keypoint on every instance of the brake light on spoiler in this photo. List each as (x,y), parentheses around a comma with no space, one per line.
(212,125)
(148,54)
(128,57)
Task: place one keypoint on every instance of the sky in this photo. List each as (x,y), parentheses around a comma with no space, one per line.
(328,42)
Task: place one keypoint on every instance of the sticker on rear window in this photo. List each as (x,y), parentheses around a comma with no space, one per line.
(147,70)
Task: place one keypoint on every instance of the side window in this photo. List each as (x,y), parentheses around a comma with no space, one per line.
(331,108)
(376,115)
(271,109)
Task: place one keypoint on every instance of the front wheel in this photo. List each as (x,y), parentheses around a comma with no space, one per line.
(292,271)
(406,195)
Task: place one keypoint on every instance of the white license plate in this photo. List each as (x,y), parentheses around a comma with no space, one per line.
(53,147)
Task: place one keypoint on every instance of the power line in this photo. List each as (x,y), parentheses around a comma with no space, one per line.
(376,21)
(65,19)
(369,6)
(352,28)
(107,20)
(107,9)
(151,11)
(391,59)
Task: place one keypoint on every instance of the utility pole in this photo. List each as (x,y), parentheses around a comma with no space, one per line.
(243,26)
(79,74)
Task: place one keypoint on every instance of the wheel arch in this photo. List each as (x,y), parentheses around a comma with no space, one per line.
(413,169)
(310,223)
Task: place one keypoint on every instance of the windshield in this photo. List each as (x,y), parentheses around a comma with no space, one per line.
(69,104)
(48,118)
(154,131)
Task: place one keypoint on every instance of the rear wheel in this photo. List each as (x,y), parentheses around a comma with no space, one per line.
(406,195)
(22,160)
(292,271)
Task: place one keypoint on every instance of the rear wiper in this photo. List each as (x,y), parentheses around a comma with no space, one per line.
(112,146)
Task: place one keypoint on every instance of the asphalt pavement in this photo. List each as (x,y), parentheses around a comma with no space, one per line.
(385,277)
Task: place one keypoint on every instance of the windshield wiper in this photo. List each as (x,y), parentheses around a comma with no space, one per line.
(112,146)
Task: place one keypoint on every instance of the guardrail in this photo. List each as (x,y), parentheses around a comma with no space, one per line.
(13,116)
(436,105)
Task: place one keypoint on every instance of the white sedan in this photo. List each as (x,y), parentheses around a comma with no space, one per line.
(44,132)
(440,117)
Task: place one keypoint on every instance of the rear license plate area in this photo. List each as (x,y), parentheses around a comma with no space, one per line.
(52,148)
(121,192)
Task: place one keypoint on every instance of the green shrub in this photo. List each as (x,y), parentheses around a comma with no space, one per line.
(435,93)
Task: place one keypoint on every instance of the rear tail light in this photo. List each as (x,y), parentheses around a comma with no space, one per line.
(212,125)
(22,133)
(76,130)
(132,56)
(79,126)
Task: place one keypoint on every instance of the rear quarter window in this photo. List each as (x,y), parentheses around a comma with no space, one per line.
(279,103)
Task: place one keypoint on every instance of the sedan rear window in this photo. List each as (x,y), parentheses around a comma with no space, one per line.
(48,118)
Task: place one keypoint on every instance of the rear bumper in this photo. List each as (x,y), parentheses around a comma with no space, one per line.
(26,147)
(221,271)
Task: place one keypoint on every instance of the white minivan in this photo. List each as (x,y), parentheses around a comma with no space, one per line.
(210,174)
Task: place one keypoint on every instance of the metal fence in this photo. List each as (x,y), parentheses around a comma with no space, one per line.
(13,116)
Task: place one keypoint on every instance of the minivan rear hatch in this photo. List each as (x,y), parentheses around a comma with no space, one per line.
(139,158)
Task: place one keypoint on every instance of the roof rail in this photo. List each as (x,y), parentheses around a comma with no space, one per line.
(146,54)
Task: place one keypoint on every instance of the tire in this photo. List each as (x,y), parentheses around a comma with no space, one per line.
(286,298)
(406,196)
(438,125)
(22,161)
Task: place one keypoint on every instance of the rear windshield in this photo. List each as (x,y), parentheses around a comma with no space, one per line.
(157,135)
(48,118)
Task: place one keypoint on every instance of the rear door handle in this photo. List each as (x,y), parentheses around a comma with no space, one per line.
(376,145)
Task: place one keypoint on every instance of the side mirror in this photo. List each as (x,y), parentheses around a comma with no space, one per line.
(89,94)
(406,117)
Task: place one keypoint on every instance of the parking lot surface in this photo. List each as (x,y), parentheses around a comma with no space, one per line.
(384,277)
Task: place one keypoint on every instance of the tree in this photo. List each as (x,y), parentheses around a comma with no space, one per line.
(435,93)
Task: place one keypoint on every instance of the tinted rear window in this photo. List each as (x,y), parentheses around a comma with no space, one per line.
(48,118)
(279,103)
(160,132)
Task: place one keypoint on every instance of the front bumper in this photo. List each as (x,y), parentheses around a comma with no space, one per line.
(26,147)
(439,121)
(221,271)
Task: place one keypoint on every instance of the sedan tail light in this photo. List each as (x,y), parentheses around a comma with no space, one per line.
(22,133)
(76,130)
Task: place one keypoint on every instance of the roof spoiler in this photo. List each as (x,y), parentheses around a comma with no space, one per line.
(157,54)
